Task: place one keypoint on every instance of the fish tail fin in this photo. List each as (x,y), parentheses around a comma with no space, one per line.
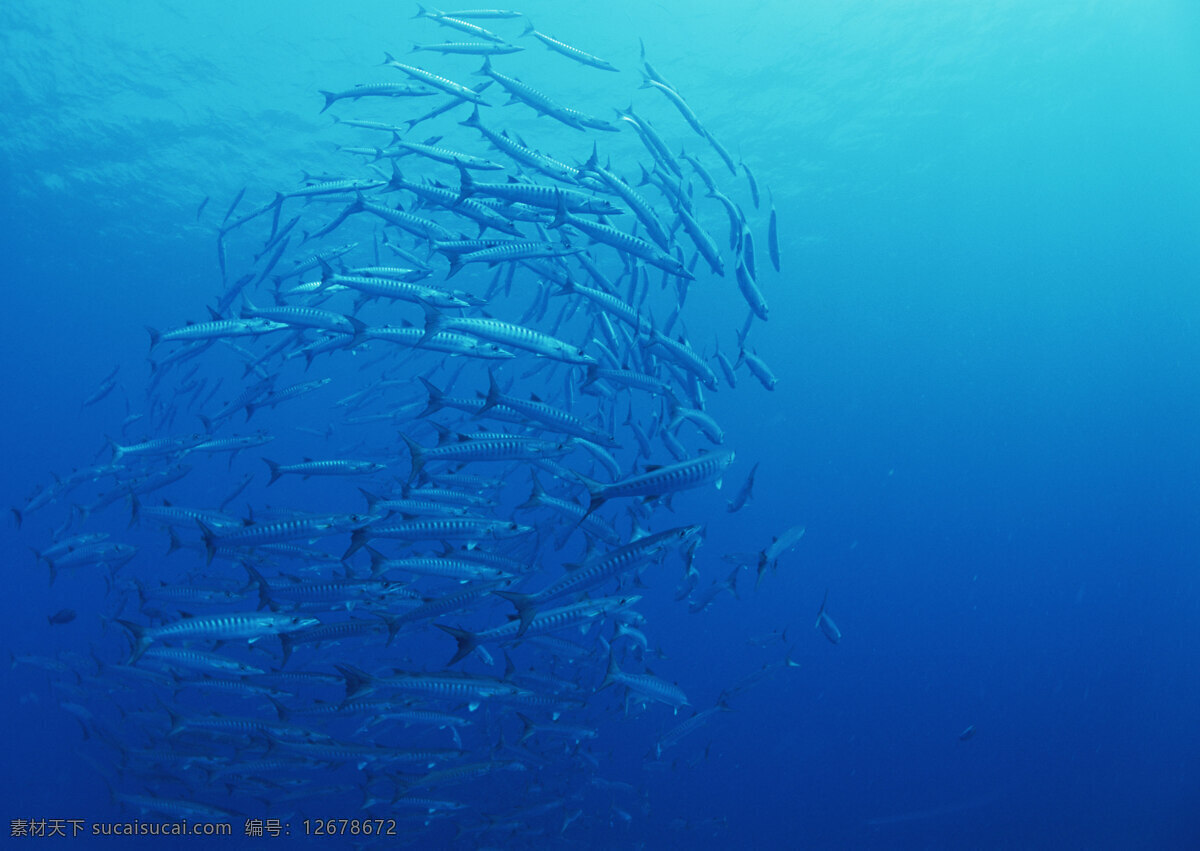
(358,540)
(612,673)
(821,613)
(210,541)
(473,119)
(418,457)
(595,491)
(378,559)
(486,69)
(371,499)
(155,336)
(593,161)
(287,643)
(731,582)
(467,641)
(525,606)
(264,590)
(274,468)
(529,28)
(173,541)
(535,497)
(493,394)
(360,330)
(356,679)
(560,210)
(436,396)
(140,641)
(393,627)
(330,97)
(466,183)
(435,320)
(529,728)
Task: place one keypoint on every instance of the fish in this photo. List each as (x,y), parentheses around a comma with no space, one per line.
(308,467)
(567,50)
(248,625)
(769,556)
(290,648)
(825,623)
(388,90)
(436,81)
(773,236)
(645,685)
(744,492)
(659,480)
(487,48)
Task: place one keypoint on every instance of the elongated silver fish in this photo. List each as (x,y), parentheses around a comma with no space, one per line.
(660,481)
(252,625)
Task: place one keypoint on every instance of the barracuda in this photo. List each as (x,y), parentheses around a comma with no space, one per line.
(449,20)
(451,686)
(537,195)
(623,242)
(508,252)
(545,415)
(450,87)
(523,155)
(337,467)
(470,48)
(568,51)
(252,626)
(551,620)
(502,448)
(436,529)
(595,571)
(506,334)
(520,92)
(400,148)
(390,90)
(442,341)
(215,330)
(660,481)
(647,685)
(283,530)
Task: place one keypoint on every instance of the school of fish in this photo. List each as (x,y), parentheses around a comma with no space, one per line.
(454,606)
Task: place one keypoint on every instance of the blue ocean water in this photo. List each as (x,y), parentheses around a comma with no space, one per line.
(983,333)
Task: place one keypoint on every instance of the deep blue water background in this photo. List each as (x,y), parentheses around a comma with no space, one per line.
(986,338)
